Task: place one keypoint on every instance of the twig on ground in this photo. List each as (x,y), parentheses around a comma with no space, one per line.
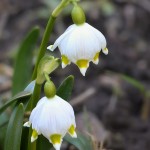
(83,97)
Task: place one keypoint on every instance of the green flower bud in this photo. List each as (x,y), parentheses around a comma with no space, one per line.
(47,64)
(78,15)
(49,89)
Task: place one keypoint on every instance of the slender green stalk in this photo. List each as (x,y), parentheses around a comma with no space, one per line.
(31,146)
(44,43)
(60,7)
(46,76)
(35,95)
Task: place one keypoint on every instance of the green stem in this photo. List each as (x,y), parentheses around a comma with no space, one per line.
(31,146)
(60,7)
(35,95)
(46,76)
(44,43)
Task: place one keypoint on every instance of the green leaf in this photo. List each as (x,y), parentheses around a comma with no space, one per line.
(43,143)
(24,138)
(2,136)
(3,119)
(65,89)
(14,129)
(19,96)
(23,66)
(30,87)
(81,142)
(134,82)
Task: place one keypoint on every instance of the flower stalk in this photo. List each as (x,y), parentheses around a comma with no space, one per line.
(44,43)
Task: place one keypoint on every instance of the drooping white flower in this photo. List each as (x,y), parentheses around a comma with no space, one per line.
(53,118)
(80,44)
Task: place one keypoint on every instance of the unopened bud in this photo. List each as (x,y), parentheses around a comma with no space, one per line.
(49,89)
(78,15)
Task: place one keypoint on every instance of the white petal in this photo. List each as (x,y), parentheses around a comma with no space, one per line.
(57,114)
(50,48)
(36,113)
(33,139)
(57,146)
(99,35)
(27,124)
(96,61)
(83,71)
(52,116)
(63,65)
(74,135)
(81,43)
(105,51)
(57,42)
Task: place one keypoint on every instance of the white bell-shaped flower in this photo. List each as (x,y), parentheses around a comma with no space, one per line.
(80,44)
(53,118)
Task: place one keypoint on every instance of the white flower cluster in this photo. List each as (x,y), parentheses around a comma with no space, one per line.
(53,118)
(80,44)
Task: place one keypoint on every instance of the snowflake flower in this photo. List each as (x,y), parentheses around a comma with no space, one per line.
(80,44)
(53,118)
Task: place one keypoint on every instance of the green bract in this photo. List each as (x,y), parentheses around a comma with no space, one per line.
(47,65)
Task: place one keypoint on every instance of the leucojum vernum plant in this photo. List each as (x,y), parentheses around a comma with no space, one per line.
(52,116)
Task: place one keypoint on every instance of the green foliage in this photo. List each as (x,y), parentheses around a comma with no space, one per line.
(14,129)
(81,142)
(16,137)
(20,96)
(3,128)
(65,89)
(43,143)
(134,82)
(24,138)
(23,66)
(46,65)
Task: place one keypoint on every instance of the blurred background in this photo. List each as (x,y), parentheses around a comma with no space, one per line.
(112,102)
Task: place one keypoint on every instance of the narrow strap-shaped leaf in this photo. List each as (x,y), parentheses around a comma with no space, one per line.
(23,64)
(19,96)
(81,142)
(65,89)
(43,143)
(24,138)
(133,82)
(14,129)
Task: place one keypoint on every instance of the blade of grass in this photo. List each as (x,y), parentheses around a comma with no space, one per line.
(65,89)
(19,96)
(23,64)
(14,129)
(134,82)
(81,142)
